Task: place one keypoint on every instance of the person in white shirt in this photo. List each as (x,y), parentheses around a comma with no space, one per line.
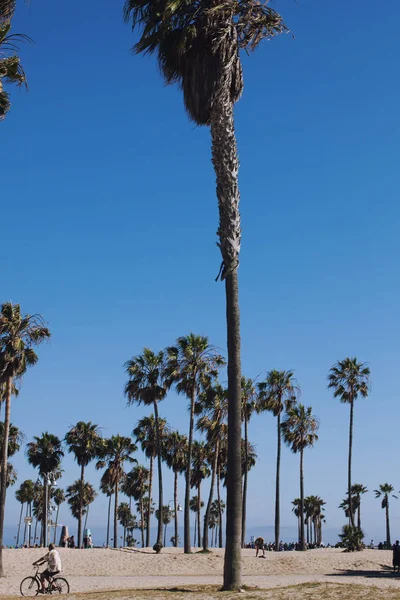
(53,560)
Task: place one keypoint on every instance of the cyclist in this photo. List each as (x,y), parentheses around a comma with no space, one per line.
(53,565)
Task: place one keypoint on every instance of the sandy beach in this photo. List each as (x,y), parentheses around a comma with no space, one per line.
(99,569)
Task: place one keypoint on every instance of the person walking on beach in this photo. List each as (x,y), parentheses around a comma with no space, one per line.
(53,565)
(260,545)
(396,557)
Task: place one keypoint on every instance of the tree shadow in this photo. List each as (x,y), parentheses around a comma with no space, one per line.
(386,572)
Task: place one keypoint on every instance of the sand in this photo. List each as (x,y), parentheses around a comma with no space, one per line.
(100,569)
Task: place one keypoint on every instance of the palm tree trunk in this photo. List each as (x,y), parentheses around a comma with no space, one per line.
(86,517)
(19,524)
(108,520)
(81,507)
(389,545)
(219,507)
(186,517)
(116,515)
(359,513)
(244,507)
(165,534)
(26,524)
(30,528)
(55,528)
(302,547)
(150,501)
(198,514)
(210,497)
(176,507)
(160,482)
(195,529)
(36,524)
(142,519)
(277,485)
(232,563)
(351,514)
(3,480)
(124,536)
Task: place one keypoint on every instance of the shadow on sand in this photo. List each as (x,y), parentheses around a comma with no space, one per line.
(386,571)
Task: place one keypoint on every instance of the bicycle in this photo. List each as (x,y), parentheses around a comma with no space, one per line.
(31,586)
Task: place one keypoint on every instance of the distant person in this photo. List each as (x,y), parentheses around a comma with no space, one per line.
(53,565)
(372,544)
(396,557)
(71,542)
(260,545)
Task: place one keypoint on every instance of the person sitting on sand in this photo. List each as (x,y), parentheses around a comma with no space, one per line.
(71,542)
(396,557)
(259,545)
(53,565)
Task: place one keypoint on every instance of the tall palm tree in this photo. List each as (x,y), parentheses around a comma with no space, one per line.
(114,453)
(194,507)
(299,431)
(84,441)
(175,451)
(296,511)
(145,434)
(125,517)
(107,488)
(20,497)
(212,407)
(58,498)
(349,379)
(148,384)
(357,490)
(18,336)
(276,393)
(166,517)
(198,47)
(135,486)
(199,472)
(385,491)
(29,496)
(249,403)
(77,491)
(192,364)
(45,453)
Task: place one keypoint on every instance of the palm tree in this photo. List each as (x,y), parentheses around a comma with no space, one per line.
(84,441)
(45,453)
(249,403)
(213,408)
(18,335)
(192,364)
(76,493)
(11,70)
(199,472)
(148,384)
(349,379)
(299,431)
(20,497)
(107,488)
(175,451)
(166,517)
(7,8)
(296,511)
(15,438)
(385,490)
(276,393)
(3,394)
(114,452)
(29,495)
(217,508)
(135,486)
(194,507)
(198,46)
(357,490)
(125,517)
(58,498)
(145,434)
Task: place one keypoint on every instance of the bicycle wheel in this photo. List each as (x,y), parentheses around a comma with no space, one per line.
(29,586)
(60,586)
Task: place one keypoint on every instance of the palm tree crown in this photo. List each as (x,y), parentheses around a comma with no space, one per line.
(349,379)
(45,453)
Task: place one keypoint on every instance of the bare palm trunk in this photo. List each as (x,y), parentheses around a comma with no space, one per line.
(26,524)
(116,515)
(277,485)
(351,514)
(302,546)
(35,535)
(150,501)
(3,480)
(20,520)
(198,514)
(186,524)
(55,528)
(389,545)
(86,517)
(80,507)
(219,507)
(142,519)
(176,508)
(30,528)
(210,497)
(195,529)
(245,475)
(359,513)
(159,542)
(108,521)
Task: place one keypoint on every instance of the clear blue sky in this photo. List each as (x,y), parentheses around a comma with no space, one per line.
(109,217)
